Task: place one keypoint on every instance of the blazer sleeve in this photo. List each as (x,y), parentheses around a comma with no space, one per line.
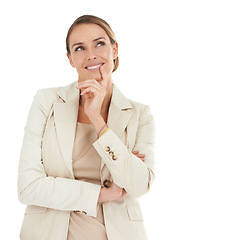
(129,171)
(34,186)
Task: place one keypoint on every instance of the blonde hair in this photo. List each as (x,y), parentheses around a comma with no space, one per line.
(100,22)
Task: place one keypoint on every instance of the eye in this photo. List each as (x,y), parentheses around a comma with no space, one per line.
(100,44)
(79,48)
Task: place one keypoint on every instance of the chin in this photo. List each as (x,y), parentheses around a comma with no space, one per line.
(96,76)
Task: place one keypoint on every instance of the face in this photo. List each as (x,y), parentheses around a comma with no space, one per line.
(90,48)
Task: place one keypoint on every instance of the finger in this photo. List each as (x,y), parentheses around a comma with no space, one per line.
(135,151)
(102,71)
(93,89)
(89,84)
(103,75)
(140,155)
(142,159)
(89,90)
(88,81)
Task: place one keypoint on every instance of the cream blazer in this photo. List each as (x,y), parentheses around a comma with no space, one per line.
(46,182)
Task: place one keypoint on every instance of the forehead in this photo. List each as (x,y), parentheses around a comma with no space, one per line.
(87,32)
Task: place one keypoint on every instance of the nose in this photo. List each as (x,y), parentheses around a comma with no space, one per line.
(91,55)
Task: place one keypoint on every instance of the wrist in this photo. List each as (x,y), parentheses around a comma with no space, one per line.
(96,119)
(99,124)
(101,132)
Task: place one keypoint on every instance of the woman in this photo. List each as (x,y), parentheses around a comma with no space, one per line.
(87,153)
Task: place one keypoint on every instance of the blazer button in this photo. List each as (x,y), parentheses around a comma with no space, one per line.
(111,153)
(84,212)
(107,148)
(114,157)
(107,183)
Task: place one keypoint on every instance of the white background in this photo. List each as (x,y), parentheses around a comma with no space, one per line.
(172,57)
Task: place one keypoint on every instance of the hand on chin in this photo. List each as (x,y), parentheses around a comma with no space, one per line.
(94,75)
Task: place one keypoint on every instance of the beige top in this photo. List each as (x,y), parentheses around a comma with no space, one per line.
(86,167)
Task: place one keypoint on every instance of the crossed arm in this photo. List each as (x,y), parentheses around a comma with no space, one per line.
(114,192)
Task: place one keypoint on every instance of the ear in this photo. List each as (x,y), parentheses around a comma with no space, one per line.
(70,59)
(115,50)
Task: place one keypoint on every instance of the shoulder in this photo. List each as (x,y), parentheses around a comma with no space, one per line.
(123,102)
(138,105)
(144,115)
(46,97)
(141,108)
(54,92)
(46,94)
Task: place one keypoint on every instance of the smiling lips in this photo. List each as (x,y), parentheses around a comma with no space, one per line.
(95,67)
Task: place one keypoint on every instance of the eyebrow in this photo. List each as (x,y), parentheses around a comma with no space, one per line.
(80,43)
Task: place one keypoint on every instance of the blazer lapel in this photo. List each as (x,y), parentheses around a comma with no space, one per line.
(65,114)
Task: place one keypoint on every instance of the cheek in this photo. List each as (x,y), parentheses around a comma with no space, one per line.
(106,53)
(78,60)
